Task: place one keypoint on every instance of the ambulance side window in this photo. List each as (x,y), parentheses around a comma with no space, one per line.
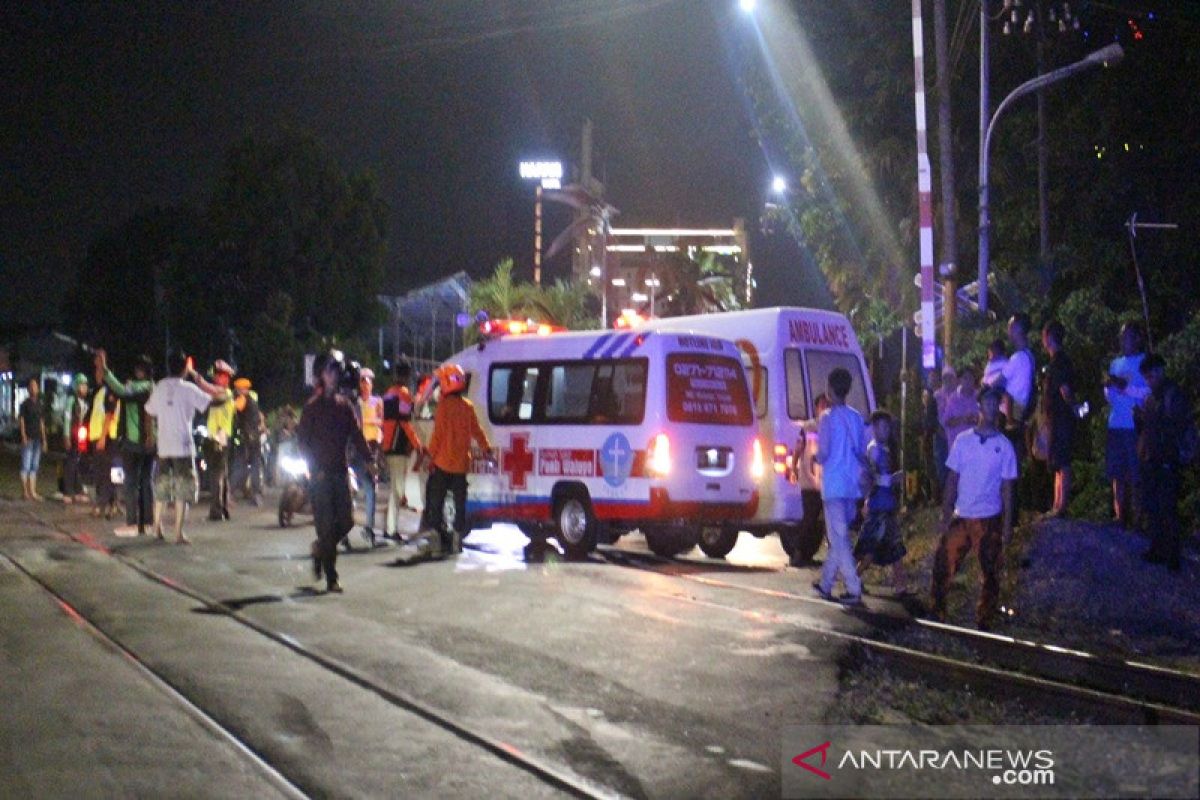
(569,392)
(797,398)
(510,393)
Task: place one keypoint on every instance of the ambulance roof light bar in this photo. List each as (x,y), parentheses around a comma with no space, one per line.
(495,328)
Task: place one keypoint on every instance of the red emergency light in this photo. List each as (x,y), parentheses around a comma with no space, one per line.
(514,327)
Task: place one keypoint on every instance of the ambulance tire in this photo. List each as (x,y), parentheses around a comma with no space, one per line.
(669,542)
(717,542)
(575,525)
(810,534)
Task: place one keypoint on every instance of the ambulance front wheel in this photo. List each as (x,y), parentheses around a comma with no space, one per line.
(575,527)
(717,542)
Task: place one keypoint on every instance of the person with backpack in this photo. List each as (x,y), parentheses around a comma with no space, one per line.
(1167,443)
(135,437)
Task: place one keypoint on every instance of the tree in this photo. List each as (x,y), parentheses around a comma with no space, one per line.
(273,357)
(285,215)
(565,303)
(690,285)
(140,287)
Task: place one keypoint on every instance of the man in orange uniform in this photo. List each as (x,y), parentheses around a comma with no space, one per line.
(455,426)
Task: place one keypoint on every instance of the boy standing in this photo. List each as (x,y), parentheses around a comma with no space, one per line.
(841,452)
(977,510)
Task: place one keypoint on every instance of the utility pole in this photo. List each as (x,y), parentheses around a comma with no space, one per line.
(949,262)
(924,191)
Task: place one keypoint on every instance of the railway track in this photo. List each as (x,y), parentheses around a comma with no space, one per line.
(1119,689)
(544,771)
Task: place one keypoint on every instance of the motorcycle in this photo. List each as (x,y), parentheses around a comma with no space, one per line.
(294,498)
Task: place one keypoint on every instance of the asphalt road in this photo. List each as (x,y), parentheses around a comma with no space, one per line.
(631,681)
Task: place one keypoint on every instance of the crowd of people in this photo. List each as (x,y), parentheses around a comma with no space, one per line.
(138,434)
(978,441)
(981,431)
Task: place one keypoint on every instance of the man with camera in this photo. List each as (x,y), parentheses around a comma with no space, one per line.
(327,426)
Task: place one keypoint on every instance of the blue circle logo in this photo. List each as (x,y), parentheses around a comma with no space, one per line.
(616,459)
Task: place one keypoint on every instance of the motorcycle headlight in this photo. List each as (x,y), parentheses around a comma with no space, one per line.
(294,466)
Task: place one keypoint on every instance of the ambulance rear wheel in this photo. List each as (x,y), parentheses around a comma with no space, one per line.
(717,542)
(575,527)
(801,542)
(669,542)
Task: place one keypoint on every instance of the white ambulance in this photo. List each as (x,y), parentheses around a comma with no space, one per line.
(598,433)
(789,353)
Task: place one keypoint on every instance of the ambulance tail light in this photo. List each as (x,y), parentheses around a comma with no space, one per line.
(758,467)
(782,459)
(658,456)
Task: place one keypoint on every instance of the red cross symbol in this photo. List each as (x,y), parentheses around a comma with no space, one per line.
(517,460)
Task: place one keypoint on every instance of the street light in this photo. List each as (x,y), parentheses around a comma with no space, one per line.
(748,6)
(1105,55)
(548,174)
(779,185)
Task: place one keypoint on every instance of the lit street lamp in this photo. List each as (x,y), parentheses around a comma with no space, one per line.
(1106,55)
(779,185)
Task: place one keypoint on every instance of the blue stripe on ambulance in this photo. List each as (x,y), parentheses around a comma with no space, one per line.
(616,345)
(600,342)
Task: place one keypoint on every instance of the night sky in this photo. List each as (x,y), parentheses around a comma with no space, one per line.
(110,108)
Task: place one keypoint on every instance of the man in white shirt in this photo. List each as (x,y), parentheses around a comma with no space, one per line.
(174,403)
(977,509)
(1126,390)
(1017,381)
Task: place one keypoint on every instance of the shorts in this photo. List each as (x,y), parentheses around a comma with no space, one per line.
(31,457)
(1120,455)
(1062,442)
(175,480)
(880,539)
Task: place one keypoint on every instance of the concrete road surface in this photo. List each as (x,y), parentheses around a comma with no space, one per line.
(633,682)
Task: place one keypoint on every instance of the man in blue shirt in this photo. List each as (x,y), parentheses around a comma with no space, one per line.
(842,454)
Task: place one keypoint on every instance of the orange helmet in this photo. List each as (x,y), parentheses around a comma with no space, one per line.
(451,378)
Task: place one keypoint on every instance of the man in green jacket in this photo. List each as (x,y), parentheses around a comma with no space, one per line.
(135,433)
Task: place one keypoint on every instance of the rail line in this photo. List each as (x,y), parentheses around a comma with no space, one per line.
(544,771)
(281,782)
(1128,690)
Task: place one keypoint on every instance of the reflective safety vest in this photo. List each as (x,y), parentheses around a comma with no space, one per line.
(371,410)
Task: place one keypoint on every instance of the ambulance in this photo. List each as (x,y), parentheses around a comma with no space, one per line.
(788,354)
(598,433)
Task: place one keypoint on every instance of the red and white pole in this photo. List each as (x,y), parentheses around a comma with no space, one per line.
(925,198)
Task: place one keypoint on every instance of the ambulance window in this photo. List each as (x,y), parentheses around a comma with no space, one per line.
(569,393)
(797,398)
(823,362)
(618,393)
(510,395)
(708,389)
(757,378)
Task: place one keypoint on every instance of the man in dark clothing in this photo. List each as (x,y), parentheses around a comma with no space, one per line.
(1058,409)
(135,432)
(327,426)
(248,431)
(1165,419)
